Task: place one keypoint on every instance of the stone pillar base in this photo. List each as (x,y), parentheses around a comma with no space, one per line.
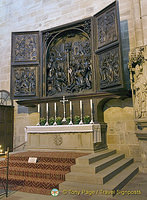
(142,136)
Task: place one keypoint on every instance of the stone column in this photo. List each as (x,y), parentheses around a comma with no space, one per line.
(138,78)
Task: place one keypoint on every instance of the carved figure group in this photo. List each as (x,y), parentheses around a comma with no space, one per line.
(25,82)
(26,47)
(109,68)
(69,66)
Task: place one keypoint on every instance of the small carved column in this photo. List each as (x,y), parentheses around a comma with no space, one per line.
(138,78)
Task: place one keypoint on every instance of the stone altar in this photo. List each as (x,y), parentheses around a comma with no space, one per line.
(86,137)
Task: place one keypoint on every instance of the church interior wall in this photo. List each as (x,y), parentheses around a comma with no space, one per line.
(26,15)
(119,116)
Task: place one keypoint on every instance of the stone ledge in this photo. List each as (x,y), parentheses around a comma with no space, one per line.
(63,128)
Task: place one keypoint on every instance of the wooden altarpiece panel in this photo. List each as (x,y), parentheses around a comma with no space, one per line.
(82,58)
(108,49)
(67,60)
(25,65)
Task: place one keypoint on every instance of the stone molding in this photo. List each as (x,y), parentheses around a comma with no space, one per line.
(141,132)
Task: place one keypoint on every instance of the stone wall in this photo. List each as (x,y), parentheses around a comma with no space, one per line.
(119,116)
(30,15)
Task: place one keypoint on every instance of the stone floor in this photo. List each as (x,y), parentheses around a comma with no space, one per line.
(139,182)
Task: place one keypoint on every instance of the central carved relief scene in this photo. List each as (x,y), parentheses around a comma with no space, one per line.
(68,62)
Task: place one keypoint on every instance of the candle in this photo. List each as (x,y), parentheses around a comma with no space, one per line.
(91,108)
(38,108)
(80,104)
(70,123)
(46,124)
(55,107)
(70,105)
(91,104)
(81,122)
(38,124)
(47,107)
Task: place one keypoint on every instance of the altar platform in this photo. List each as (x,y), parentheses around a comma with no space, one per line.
(77,138)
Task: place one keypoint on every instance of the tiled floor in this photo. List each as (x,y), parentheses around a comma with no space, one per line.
(139,182)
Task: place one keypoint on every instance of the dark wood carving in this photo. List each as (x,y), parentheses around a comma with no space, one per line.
(80,58)
(87,27)
(108,48)
(25,64)
(109,68)
(24,81)
(25,47)
(68,60)
(107,27)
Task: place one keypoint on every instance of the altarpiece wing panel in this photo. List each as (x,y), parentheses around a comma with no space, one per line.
(107,49)
(25,64)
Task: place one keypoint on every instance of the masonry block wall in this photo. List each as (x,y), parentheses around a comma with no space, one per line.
(26,15)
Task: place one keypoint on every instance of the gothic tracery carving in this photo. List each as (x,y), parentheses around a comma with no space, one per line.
(87,27)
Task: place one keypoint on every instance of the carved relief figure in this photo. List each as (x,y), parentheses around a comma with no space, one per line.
(26,47)
(24,81)
(109,68)
(138,82)
(107,28)
(69,63)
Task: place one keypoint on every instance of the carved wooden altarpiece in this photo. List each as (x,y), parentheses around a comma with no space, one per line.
(81,58)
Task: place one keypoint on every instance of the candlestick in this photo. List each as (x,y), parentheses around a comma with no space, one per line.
(64,108)
(55,110)
(70,123)
(81,110)
(91,108)
(46,124)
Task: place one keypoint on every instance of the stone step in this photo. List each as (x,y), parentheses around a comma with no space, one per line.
(119,181)
(116,183)
(102,176)
(97,166)
(91,158)
(111,171)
